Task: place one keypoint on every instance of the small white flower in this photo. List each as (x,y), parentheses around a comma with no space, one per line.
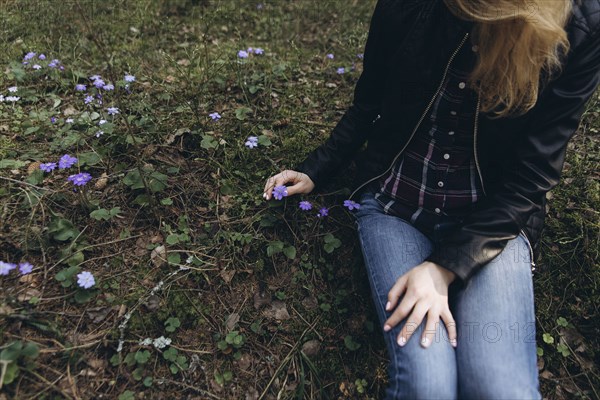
(69,120)
(146,342)
(12,89)
(102,122)
(12,98)
(161,342)
(99,133)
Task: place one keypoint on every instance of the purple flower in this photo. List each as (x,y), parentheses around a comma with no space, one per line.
(37,66)
(330,56)
(99,133)
(80,179)
(29,56)
(80,88)
(251,142)
(305,205)
(54,63)
(242,54)
(102,122)
(280,192)
(53,120)
(351,204)
(95,77)
(85,280)
(215,116)
(360,55)
(250,49)
(12,89)
(25,268)
(66,161)
(341,70)
(323,212)
(109,86)
(112,110)
(129,78)
(99,83)
(88,99)
(259,6)
(5,267)
(48,167)
(258,51)
(42,56)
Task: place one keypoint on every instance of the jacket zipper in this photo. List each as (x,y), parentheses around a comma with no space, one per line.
(481,177)
(420,120)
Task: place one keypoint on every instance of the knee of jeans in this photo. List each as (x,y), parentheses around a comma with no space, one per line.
(499,389)
(430,386)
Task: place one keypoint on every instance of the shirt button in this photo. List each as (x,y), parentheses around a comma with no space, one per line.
(437,210)
(462,85)
(441,184)
(446,156)
(452,112)
(475,48)
(451,133)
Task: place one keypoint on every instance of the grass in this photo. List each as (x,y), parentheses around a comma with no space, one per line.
(259,300)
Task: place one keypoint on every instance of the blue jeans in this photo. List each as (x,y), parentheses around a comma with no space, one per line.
(495,357)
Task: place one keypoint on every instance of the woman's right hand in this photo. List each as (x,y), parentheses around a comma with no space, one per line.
(301,183)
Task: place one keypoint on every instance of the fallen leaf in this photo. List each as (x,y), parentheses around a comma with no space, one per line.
(232,320)
(278,311)
(261,298)
(98,314)
(29,294)
(227,275)
(311,348)
(158,256)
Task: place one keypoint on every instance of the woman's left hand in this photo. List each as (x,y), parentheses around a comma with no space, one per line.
(426,292)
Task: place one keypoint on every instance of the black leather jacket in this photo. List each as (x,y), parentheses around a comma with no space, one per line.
(409,47)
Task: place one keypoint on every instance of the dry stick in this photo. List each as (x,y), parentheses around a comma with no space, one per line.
(26,184)
(47,382)
(287,358)
(97,245)
(202,391)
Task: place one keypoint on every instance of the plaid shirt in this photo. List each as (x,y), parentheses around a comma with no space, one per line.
(436,175)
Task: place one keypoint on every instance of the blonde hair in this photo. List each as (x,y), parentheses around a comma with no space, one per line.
(519,41)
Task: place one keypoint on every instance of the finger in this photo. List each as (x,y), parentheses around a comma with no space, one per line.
(400,313)
(395,292)
(412,323)
(429,334)
(269,185)
(450,326)
(299,187)
(276,180)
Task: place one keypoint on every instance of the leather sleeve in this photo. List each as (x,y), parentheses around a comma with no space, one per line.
(529,172)
(352,130)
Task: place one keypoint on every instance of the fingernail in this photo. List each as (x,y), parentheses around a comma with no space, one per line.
(453,342)
(387,306)
(425,342)
(386,327)
(401,341)
(264,195)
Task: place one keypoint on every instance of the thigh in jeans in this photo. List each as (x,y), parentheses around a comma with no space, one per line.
(391,247)
(496,347)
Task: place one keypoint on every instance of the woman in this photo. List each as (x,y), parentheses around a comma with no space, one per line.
(467,107)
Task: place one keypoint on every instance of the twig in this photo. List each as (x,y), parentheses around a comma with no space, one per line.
(287,358)
(26,184)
